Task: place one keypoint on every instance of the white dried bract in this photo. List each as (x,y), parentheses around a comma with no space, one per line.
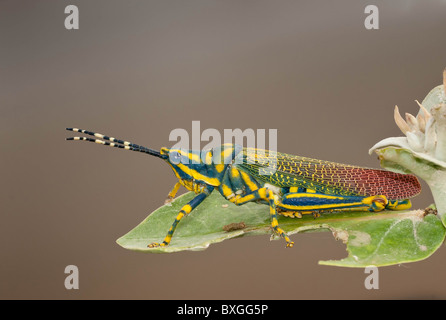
(421,131)
(425,133)
(422,151)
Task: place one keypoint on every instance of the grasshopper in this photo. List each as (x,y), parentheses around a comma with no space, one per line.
(296,185)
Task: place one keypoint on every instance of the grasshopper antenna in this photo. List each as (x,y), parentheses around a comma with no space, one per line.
(116,143)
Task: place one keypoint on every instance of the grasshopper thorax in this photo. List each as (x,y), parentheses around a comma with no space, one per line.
(196,169)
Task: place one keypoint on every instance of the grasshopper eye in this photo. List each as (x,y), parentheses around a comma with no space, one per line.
(175,157)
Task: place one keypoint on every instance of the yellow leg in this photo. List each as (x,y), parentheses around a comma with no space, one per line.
(185,210)
(267,195)
(399,205)
(376,203)
(309,202)
(172,193)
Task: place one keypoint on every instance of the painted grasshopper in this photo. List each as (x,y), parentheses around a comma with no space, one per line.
(296,186)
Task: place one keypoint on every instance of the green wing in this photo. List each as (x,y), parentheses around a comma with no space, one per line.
(284,170)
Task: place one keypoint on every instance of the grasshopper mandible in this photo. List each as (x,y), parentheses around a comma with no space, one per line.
(296,186)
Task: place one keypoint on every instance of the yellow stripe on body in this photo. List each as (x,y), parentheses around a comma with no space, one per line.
(234,172)
(208,158)
(313,195)
(247,179)
(227,191)
(262,193)
(195,158)
(198,176)
(246,198)
(227,152)
(219,167)
(321,206)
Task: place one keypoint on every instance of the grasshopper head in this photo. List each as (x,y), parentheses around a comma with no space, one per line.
(187,166)
(195,169)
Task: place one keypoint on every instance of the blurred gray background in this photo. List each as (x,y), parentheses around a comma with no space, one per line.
(137,70)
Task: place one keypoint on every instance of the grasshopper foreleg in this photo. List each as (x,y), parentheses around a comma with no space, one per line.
(172,193)
(185,210)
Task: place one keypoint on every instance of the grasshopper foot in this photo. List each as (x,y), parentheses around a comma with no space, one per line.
(168,201)
(279,231)
(156,245)
(316,214)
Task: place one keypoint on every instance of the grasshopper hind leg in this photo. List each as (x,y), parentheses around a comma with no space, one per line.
(315,203)
(399,204)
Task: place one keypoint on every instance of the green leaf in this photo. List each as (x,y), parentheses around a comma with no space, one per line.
(380,239)
(389,238)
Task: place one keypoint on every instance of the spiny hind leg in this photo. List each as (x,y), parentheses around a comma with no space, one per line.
(376,203)
(317,202)
(267,195)
(185,210)
(399,204)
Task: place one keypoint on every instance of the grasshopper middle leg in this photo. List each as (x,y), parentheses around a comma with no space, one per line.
(239,188)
